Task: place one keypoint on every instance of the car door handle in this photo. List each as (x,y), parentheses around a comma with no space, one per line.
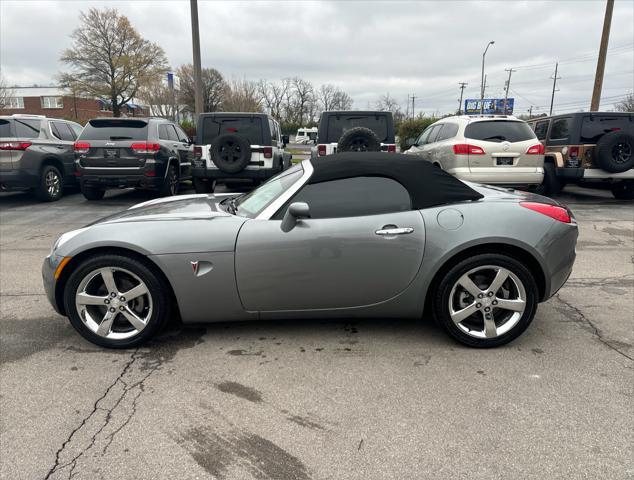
(393,230)
(175,145)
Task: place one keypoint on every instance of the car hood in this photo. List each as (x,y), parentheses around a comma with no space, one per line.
(185,207)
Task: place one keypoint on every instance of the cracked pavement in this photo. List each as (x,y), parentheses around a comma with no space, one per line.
(374,399)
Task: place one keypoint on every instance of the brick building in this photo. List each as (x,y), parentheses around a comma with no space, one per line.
(57,102)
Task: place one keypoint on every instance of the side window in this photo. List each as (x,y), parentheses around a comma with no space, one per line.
(560,129)
(274,132)
(27,128)
(540,128)
(62,131)
(353,197)
(171,133)
(449,131)
(422,140)
(182,136)
(76,128)
(163,132)
(433,135)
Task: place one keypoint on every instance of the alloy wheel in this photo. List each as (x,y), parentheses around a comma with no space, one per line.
(53,183)
(622,152)
(113,303)
(487,301)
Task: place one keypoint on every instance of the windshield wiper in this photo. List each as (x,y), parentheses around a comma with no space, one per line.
(232,206)
(120,138)
(499,137)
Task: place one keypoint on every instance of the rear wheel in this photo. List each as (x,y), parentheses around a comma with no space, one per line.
(116,301)
(204,185)
(170,184)
(623,190)
(552,185)
(93,193)
(486,301)
(51,186)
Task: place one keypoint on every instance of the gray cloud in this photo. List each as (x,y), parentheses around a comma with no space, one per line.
(366,48)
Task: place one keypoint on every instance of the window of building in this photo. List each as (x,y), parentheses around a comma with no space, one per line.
(52,102)
(14,102)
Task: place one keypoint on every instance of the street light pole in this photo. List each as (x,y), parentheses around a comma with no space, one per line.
(482,78)
(198,83)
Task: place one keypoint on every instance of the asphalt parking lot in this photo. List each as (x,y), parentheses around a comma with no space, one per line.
(376,399)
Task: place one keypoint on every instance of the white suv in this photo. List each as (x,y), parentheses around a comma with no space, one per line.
(493,149)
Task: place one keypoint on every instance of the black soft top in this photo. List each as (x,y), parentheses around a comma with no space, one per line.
(427,184)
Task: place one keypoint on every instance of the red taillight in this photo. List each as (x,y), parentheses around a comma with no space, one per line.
(466,149)
(573,152)
(391,148)
(81,147)
(145,147)
(14,145)
(198,152)
(150,173)
(536,149)
(268,152)
(553,211)
(321,150)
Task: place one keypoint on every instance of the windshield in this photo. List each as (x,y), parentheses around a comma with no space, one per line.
(253,203)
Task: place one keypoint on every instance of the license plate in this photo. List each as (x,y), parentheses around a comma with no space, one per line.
(505,160)
(110,153)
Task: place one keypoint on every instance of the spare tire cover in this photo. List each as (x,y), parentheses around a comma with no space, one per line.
(359,139)
(230,152)
(614,152)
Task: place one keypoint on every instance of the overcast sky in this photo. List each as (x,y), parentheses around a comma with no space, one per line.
(366,48)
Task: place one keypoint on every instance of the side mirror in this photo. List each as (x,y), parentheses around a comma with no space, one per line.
(285,139)
(191,140)
(410,141)
(296,211)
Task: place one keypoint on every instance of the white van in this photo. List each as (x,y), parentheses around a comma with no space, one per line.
(305,135)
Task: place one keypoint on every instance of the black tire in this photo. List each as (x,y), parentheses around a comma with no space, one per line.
(614,152)
(204,185)
(51,185)
(93,193)
(552,185)
(157,290)
(231,153)
(623,190)
(359,139)
(171,183)
(441,299)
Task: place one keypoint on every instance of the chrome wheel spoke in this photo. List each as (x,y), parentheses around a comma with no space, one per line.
(500,277)
(84,298)
(106,324)
(460,315)
(135,292)
(132,317)
(490,330)
(108,279)
(466,283)
(517,305)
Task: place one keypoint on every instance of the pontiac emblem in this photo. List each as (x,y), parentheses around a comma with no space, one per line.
(195,267)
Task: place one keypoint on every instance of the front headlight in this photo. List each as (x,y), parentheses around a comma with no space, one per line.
(65,237)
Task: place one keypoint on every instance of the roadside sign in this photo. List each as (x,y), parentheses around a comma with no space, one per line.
(492,106)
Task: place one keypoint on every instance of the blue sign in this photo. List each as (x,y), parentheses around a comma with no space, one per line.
(491,106)
(170,80)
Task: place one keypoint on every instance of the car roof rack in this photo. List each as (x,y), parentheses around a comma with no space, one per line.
(28,115)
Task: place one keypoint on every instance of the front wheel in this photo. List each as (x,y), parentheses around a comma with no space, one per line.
(486,301)
(116,301)
(204,185)
(623,190)
(51,186)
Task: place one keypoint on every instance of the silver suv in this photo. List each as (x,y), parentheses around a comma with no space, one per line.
(36,153)
(493,149)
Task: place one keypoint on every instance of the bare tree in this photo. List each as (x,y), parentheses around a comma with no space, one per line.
(161,99)
(242,96)
(326,96)
(214,88)
(304,93)
(109,59)
(5,93)
(342,101)
(626,105)
(273,96)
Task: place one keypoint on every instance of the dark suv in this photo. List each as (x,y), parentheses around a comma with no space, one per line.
(146,153)
(240,146)
(588,148)
(36,153)
(354,131)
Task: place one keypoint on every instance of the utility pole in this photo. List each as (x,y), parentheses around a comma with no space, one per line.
(413,97)
(507,86)
(482,78)
(462,87)
(530,112)
(555,78)
(598,77)
(198,81)
(407,107)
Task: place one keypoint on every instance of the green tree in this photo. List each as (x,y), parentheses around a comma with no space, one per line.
(109,59)
(214,88)
(412,128)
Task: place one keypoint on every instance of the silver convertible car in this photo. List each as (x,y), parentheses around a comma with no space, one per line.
(348,235)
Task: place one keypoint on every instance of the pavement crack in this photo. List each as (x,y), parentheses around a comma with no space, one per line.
(593,328)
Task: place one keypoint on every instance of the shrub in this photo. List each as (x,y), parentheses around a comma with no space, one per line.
(412,129)
(189,127)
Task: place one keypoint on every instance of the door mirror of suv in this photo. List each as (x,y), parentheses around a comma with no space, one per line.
(296,211)
(410,142)
(285,140)
(191,140)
